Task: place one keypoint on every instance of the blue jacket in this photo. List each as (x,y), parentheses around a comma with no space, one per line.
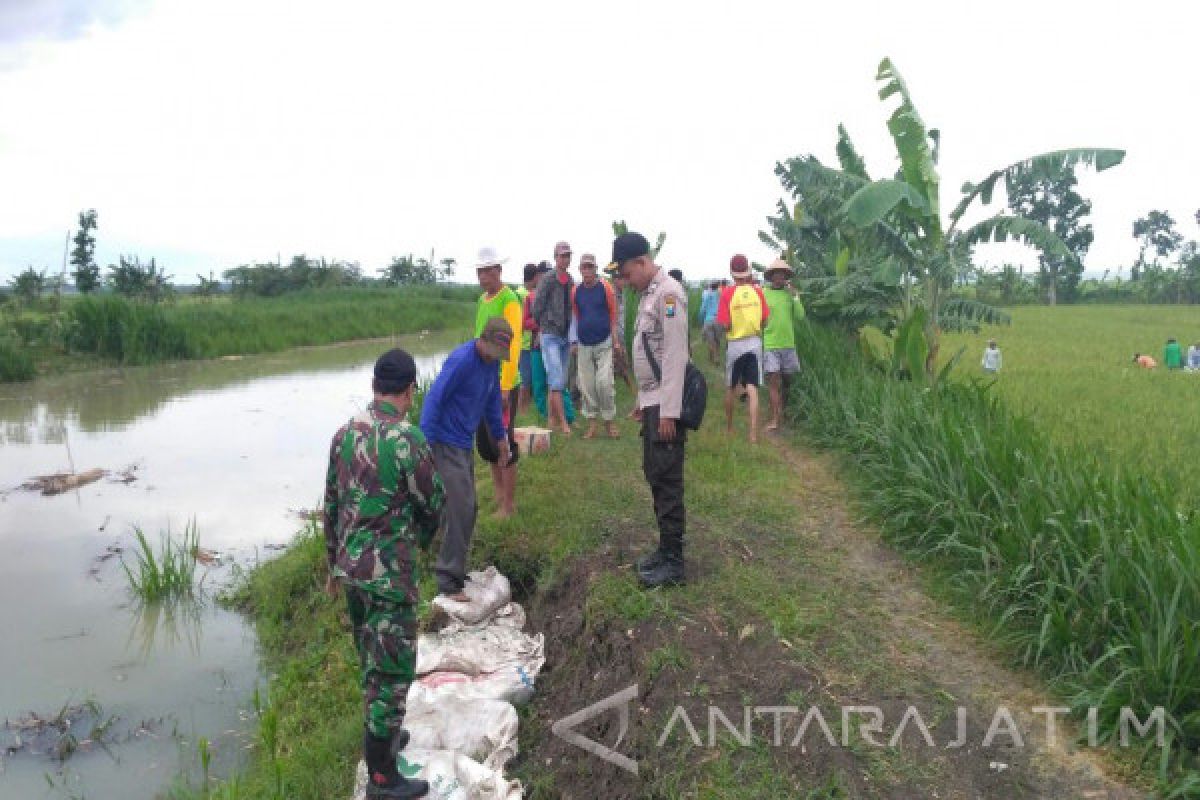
(466,391)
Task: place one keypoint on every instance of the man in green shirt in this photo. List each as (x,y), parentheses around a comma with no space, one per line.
(779,337)
(1173,354)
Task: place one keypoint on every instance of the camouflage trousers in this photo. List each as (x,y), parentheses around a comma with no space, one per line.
(385,635)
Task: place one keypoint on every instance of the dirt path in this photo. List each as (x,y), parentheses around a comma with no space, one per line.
(791,603)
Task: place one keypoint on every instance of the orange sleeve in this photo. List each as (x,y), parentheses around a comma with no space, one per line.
(723,316)
(762,298)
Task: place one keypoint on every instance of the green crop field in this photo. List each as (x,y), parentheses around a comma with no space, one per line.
(1071,368)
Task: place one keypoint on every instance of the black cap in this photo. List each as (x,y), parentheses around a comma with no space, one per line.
(531,270)
(397,369)
(677,274)
(543,267)
(627,246)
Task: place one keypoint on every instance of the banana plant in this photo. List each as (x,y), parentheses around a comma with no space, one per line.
(925,254)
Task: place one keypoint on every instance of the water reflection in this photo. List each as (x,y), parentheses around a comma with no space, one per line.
(234,444)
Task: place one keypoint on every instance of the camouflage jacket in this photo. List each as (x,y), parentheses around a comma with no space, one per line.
(383,497)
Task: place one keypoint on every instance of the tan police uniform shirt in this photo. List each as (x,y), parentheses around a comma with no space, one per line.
(663,317)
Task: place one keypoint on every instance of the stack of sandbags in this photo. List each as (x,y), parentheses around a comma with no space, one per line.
(460,712)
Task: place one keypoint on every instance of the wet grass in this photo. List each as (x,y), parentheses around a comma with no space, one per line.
(168,573)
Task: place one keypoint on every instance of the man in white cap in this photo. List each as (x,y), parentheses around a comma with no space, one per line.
(780,362)
(741,312)
(498,300)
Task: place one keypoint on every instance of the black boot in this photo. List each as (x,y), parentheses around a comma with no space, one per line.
(649,562)
(384,782)
(669,571)
(399,741)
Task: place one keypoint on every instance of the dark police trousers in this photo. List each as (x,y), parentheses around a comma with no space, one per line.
(662,464)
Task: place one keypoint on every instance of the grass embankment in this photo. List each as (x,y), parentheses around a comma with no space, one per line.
(102,330)
(1086,568)
(1070,367)
(776,614)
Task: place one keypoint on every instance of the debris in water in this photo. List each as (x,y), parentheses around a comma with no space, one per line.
(126,476)
(63,481)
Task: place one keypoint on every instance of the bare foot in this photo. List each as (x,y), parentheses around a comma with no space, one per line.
(613,433)
(591,431)
(771,427)
(503,513)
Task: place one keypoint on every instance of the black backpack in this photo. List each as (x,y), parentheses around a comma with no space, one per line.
(695,389)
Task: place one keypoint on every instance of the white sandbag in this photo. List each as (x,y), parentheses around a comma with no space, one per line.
(451,776)
(487,591)
(484,730)
(511,684)
(475,651)
(509,615)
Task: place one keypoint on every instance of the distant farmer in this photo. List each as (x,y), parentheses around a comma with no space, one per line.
(466,391)
(742,312)
(660,356)
(1172,354)
(383,499)
(525,365)
(552,313)
(500,302)
(780,361)
(710,331)
(595,320)
(1144,361)
(992,358)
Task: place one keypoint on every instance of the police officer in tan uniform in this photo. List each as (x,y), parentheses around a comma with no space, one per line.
(660,357)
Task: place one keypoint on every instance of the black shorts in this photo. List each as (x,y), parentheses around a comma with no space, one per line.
(745,370)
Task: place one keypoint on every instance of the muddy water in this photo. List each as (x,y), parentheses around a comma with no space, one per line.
(238,446)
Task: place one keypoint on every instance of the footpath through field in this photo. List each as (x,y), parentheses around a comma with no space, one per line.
(791,603)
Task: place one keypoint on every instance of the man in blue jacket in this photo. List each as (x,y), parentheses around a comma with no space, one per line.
(466,391)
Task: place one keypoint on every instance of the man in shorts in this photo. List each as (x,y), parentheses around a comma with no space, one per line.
(742,312)
(779,337)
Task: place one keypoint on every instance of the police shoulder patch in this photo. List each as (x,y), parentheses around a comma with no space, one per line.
(671,305)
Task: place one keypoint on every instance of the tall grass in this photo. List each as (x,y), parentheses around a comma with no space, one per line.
(134,332)
(16,364)
(167,574)
(1089,572)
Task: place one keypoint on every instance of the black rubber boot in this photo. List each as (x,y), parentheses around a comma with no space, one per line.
(384,782)
(399,742)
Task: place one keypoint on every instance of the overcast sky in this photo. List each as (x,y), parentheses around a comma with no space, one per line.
(210,133)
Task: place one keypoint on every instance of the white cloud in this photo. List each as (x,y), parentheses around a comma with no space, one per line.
(214,132)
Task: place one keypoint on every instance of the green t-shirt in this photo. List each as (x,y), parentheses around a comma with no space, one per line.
(486,309)
(785,310)
(526,336)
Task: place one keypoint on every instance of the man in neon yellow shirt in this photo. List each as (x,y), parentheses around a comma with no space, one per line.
(780,362)
(498,300)
(742,311)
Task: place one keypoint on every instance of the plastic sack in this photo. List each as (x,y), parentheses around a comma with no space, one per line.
(511,684)
(487,591)
(451,776)
(484,730)
(475,651)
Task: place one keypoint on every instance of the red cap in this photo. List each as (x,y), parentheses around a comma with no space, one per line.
(739,265)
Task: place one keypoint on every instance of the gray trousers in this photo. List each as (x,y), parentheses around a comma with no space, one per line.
(457,468)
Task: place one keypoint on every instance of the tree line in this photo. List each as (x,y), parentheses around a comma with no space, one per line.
(132,277)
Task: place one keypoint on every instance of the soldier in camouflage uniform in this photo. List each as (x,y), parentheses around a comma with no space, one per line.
(383,499)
